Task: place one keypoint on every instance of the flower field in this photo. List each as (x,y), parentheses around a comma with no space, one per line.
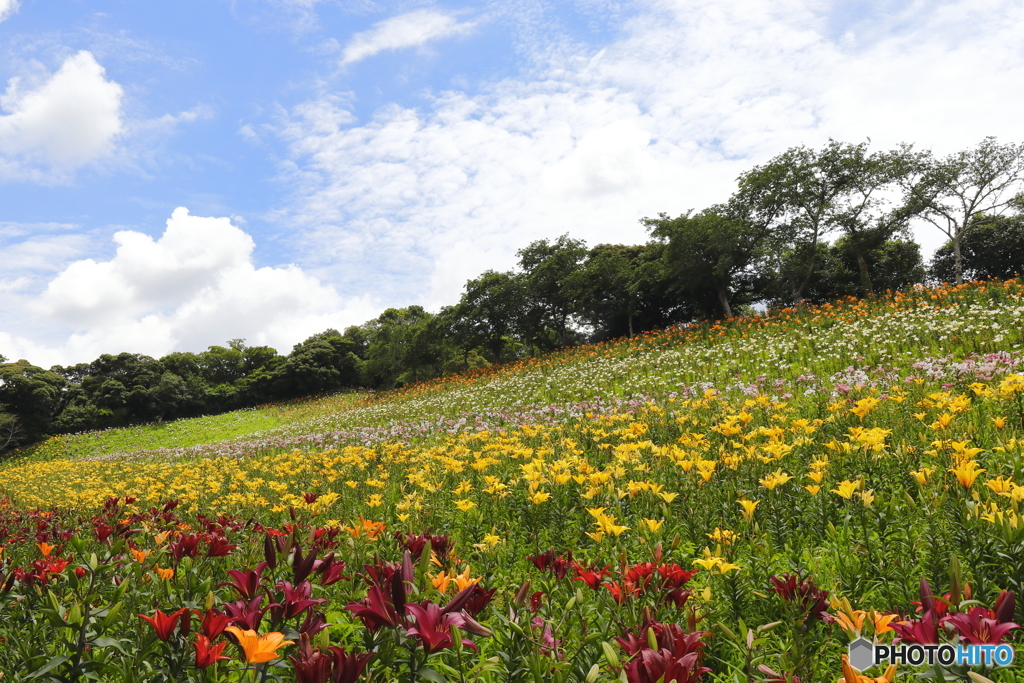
(727,502)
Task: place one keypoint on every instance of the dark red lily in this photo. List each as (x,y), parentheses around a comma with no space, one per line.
(247,615)
(376,610)
(247,583)
(813,601)
(186,546)
(297,599)
(1004,608)
(323,665)
(440,544)
(219,547)
(330,571)
(303,565)
(677,657)
(978,627)
(433,627)
(923,632)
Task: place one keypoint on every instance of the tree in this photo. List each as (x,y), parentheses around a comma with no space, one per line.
(323,363)
(991,247)
(611,288)
(707,251)
(802,196)
(489,315)
(31,396)
(950,193)
(552,279)
(406,345)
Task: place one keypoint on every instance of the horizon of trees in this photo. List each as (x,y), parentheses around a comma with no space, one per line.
(807,226)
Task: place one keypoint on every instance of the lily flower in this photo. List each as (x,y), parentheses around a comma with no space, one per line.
(850,675)
(164,624)
(978,627)
(376,610)
(297,599)
(247,583)
(208,654)
(259,649)
(433,628)
(213,623)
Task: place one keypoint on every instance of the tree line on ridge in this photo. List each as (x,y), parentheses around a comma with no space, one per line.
(808,226)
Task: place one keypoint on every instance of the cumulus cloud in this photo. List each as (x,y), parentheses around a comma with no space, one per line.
(662,119)
(405,30)
(193,286)
(69,120)
(7,8)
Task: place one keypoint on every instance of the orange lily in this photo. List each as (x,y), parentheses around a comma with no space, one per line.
(257,648)
(850,674)
(881,622)
(464,580)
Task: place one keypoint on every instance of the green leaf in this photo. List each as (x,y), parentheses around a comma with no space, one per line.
(430,675)
(49,666)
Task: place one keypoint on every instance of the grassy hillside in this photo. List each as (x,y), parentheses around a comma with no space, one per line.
(870,444)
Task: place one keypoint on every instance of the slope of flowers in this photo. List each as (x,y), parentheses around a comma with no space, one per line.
(731,502)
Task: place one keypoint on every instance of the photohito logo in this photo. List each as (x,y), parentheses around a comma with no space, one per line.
(863,654)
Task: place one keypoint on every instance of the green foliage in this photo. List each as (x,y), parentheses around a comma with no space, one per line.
(31,398)
(950,193)
(991,247)
(706,253)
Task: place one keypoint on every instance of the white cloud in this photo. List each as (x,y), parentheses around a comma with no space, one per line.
(415,201)
(69,120)
(405,30)
(194,286)
(7,8)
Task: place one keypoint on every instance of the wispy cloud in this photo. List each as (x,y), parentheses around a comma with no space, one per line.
(415,201)
(405,30)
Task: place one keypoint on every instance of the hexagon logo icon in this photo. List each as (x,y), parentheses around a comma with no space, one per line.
(862,654)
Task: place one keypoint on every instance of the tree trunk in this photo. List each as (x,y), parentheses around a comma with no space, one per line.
(630,323)
(798,293)
(956,259)
(865,276)
(723,299)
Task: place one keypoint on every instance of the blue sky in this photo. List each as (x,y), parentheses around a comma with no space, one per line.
(177,174)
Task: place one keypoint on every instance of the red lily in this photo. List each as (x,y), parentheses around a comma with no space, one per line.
(978,627)
(923,632)
(376,610)
(247,614)
(186,546)
(213,623)
(164,624)
(593,578)
(673,576)
(219,547)
(297,599)
(433,627)
(330,571)
(247,583)
(207,654)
